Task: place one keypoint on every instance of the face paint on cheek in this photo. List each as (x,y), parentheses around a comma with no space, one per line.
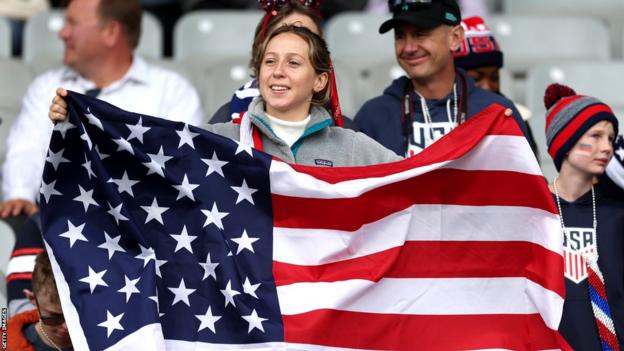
(585,148)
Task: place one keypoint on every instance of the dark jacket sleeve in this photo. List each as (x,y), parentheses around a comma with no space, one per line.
(222,115)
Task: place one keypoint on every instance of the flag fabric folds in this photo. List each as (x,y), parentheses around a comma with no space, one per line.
(166,236)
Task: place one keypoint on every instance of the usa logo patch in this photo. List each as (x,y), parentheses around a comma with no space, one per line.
(578,241)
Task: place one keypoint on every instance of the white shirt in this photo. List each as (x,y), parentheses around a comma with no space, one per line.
(288,131)
(145,89)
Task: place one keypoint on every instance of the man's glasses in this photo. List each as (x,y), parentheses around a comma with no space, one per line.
(53,320)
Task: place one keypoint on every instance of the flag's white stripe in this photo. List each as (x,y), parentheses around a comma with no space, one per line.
(21,264)
(422,296)
(548,303)
(179,345)
(419,222)
(148,337)
(509,153)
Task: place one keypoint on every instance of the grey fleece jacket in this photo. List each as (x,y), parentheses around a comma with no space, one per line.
(321,144)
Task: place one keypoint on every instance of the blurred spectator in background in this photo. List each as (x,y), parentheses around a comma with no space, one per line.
(418,109)
(44,327)
(301,13)
(100,37)
(28,244)
(481,57)
(18,12)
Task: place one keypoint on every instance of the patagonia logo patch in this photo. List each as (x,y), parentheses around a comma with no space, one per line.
(451,17)
(325,163)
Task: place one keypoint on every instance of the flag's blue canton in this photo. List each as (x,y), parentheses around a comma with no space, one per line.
(152,231)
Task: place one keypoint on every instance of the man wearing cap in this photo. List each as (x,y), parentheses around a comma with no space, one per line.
(418,109)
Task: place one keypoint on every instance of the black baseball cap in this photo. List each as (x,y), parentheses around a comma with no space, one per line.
(424,14)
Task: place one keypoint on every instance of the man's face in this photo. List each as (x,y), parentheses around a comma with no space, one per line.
(82,33)
(486,78)
(424,53)
(52,320)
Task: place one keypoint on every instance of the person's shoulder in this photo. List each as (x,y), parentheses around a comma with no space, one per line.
(487,98)
(53,76)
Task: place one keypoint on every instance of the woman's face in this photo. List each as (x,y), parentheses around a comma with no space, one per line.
(298,19)
(594,150)
(288,79)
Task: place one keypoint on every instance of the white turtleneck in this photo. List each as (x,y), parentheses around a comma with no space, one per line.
(288,131)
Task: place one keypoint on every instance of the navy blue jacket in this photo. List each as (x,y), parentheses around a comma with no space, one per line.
(380,118)
(578,325)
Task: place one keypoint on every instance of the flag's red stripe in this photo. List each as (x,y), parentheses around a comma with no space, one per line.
(27,251)
(16,276)
(490,121)
(419,332)
(438,259)
(442,186)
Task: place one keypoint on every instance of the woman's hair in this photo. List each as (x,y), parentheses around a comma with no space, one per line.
(318,55)
(288,9)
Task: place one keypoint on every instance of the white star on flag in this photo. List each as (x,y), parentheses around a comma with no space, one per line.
(124,145)
(620,153)
(137,130)
(87,166)
(249,288)
(94,279)
(100,154)
(111,245)
(47,190)
(244,192)
(157,163)
(146,255)
(124,184)
(214,216)
(181,293)
(111,323)
(207,320)
(244,242)
(186,137)
(74,233)
(229,294)
(242,147)
(214,165)
(86,197)
(185,189)
(84,136)
(154,211)
(130,287)
(116,213)
(94,120)
(56,158)
(157,264)
(63,127)
(183,240)
(255,322)
(209,268)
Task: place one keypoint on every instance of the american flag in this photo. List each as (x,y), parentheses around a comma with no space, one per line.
(166,236)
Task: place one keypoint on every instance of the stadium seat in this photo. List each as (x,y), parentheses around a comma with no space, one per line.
(596,78)
(11,92)
(5,38)
(528,40)
(609,10)
(7,240)
(357,48)
(43,49)
(218,82)
(203,37)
